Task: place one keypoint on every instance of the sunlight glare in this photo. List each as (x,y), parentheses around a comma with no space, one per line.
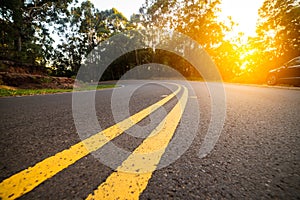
(244,13)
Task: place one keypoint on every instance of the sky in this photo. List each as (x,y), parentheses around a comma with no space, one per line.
(243,12)
(126,7)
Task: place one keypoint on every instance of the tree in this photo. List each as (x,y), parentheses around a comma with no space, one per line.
(198,20)
(24,33)
(277,40)
(87,28)
(279,25)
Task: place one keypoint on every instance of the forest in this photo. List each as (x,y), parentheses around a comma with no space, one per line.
(58,35)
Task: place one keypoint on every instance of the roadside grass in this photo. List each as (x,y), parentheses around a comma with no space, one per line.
(7,91)
(92,87)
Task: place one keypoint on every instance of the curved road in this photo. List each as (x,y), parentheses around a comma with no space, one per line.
(257,155)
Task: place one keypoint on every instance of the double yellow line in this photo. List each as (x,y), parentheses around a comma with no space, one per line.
(130,179)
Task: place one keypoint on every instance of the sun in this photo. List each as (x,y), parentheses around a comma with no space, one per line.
(242,12)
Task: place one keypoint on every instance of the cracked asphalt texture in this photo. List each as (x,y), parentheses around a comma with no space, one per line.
(256,157)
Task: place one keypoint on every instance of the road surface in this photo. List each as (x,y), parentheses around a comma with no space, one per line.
(257,155)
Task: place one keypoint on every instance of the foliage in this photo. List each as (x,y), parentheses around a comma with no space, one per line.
(279,25)
(24,36)
(142,57)
(277,40)
(28,30)
(87,28)
(198,20)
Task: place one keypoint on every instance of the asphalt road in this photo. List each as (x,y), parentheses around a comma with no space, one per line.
(257,155)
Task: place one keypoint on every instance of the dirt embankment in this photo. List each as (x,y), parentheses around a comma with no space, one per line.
(26,76)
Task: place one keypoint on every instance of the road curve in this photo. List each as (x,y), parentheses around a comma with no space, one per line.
(256,156)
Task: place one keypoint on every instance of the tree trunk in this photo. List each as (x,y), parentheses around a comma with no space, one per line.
(19,44)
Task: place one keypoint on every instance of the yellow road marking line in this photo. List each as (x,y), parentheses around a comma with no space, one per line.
(26,180)
(131,178)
